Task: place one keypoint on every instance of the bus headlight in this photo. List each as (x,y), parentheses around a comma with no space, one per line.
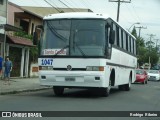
(94,68)
(45,67)
(88,68)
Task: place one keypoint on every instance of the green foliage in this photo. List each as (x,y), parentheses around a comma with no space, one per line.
(140,42)
(23,34)
(144,51)
(150,44)
(34,54)
(33,50)
(134,32)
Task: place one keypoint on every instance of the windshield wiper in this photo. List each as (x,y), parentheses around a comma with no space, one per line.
(61,50)
(56,33)
(75,44)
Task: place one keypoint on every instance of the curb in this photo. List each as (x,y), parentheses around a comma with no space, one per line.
(24,90)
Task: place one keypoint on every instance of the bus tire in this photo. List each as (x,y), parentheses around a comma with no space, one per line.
(121,87)
(106,91)
(127,87)
(58,91)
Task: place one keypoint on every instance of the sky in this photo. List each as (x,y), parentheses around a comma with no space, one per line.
(145,12)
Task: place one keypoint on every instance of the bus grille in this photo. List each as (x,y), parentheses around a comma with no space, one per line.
(73,69)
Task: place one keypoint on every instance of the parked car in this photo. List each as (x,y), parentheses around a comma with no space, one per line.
(141,76)
(154,75)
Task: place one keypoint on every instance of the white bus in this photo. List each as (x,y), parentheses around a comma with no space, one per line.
(85,50)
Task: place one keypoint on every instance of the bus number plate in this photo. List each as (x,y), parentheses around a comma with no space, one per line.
(47,61)
(69,79)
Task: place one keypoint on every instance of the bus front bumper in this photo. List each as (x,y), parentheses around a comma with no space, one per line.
(73,78)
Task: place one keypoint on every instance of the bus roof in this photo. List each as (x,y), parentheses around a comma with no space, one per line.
(80,15)
(71,15)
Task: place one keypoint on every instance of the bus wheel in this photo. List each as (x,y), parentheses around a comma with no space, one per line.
(128,86)
(121,87)
(58,91)
(106,91)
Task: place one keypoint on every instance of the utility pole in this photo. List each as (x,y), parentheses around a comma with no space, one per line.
(150,36)
(119,3)
(150,39)
(141,27)
(156,42)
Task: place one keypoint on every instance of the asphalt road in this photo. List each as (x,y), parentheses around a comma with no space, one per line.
(140,98)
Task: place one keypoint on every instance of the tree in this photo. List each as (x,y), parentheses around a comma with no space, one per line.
(134,32)
(144,51)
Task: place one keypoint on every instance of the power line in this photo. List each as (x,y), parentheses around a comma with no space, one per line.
(89,5)
(83,2)
(118,9)
(121,15)
(52,6)
(151,36)
(136,13)
(66,5)
(132,15)
(73,6)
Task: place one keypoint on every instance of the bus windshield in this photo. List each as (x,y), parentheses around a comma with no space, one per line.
(76,37)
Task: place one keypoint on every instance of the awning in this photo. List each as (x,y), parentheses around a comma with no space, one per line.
(19,41)
(8,27)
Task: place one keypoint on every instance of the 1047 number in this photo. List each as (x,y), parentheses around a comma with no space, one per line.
(46,61)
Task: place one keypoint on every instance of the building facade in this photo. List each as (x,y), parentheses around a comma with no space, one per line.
(3,20)
(23,18)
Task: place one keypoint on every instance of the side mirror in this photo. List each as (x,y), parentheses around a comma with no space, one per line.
(36,34)
(112,37)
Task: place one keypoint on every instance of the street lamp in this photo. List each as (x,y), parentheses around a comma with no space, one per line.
(132,25)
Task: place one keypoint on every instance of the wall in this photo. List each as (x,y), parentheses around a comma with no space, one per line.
(16,14)
(3,14)
(34,70)
(11,12)
(36,21)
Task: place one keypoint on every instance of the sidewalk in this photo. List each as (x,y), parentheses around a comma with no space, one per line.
(20,85)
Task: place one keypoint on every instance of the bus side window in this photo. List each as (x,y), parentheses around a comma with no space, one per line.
(120,42)
(114,28)
(117,35)
(129,44)
(122,38)
(133,46)
(126,42)
(135,50)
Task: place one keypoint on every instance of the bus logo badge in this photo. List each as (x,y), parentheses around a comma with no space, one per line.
(69,67)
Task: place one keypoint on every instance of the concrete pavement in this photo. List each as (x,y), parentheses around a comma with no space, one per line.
(20,85)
